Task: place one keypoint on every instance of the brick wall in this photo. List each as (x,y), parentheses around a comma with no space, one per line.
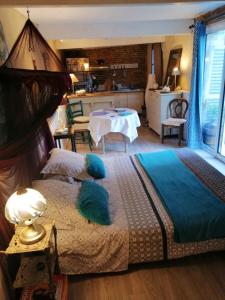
(117,55)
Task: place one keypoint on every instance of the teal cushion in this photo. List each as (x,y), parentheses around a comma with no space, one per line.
(95,166)
(93,203)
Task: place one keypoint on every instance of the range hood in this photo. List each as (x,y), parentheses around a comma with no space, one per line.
(100,65)
(97,68)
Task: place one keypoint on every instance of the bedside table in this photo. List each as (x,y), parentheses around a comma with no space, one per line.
(38,261)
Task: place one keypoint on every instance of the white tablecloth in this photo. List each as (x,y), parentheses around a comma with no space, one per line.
(111,121)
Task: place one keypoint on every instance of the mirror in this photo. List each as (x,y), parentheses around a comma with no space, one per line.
(174,61)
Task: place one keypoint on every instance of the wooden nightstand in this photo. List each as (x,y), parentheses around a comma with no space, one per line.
(37,261)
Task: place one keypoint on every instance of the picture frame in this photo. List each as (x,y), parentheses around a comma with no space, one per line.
(3,46)
(76,64)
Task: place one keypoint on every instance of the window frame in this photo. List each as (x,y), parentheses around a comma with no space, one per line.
(213,28)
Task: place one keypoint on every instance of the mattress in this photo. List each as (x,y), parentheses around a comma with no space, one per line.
(142,230)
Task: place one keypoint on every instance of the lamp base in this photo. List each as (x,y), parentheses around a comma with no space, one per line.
(32,234)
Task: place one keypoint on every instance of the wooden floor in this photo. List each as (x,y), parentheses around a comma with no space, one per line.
(147,140)
(192,278)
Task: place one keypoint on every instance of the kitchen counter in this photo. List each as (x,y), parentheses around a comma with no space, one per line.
(104,93)
(133,99)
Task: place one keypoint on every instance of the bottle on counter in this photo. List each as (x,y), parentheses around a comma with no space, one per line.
(89,83)
(114,87)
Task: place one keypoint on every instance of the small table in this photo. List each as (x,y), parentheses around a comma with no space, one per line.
(37,261)
(122,120)
(65,135)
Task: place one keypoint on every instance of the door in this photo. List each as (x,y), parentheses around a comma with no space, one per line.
(213,98)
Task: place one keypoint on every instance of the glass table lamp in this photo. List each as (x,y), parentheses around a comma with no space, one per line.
(24,207)
(175,73)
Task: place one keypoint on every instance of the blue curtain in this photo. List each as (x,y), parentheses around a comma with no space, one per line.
(194,130)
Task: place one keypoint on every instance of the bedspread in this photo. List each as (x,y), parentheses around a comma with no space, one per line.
(85,247)
(196,212)
(142,231)
(151,231)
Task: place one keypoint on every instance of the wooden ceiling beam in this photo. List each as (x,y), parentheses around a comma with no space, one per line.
(214,15)
(90,2)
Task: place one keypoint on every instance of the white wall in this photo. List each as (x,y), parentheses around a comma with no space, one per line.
(107,42)
(52,44)
(12,22)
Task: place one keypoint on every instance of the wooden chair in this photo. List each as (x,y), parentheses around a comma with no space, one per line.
(178,109)
(81,135)
(75,113)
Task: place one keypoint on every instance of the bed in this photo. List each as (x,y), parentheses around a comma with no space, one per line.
(141,229)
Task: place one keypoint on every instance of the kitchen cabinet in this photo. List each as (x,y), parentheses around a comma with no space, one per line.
(120,100)
(91,103)
(101,100)
(157,106)
(135,101)
(102,105)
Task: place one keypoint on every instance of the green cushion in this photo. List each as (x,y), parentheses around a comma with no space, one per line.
(95,166)
(93,203)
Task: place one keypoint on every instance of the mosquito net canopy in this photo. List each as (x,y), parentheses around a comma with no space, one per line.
(32,84)
(32,52)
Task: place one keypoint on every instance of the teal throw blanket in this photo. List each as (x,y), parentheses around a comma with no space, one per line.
(197,214)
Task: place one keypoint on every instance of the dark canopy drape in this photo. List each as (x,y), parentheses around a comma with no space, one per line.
(32,84)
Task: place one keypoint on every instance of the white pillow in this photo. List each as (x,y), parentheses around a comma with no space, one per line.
(68,163)
(63,178)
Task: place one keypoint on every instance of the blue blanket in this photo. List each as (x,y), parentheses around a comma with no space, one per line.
(197,214)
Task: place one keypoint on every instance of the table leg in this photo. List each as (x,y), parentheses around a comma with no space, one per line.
(125,142)
(103,144)
(55,142)
(73,143)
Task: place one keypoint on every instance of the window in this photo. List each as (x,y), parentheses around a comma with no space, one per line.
(213,98)
(153,60)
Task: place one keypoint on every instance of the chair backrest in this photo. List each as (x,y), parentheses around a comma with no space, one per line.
(76,108)
(73,110)
(178,108)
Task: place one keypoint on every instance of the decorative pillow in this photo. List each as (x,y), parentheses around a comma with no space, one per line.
(95,166)
(63,178)
(68,163)
(93,203)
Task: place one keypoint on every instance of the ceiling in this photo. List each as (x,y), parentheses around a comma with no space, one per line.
(73,23)
(119,13)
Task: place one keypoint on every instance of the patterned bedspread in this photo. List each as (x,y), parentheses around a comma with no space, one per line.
(141,231)
(152,237)
(85,247)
